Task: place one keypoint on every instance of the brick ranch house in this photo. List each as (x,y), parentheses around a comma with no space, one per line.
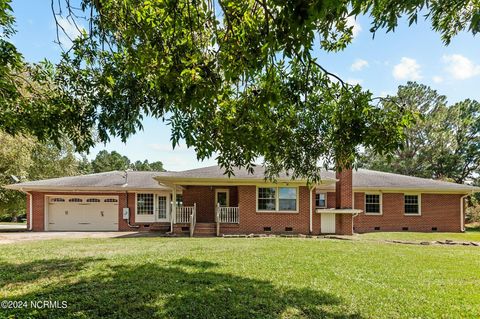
(206,202)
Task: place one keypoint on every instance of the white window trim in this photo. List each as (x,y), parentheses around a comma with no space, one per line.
(277,199)
(419,204)
(222,190)
(136,205)
(142,218)
(326,199)
(365,203)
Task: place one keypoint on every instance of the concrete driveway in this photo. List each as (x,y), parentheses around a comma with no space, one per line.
(16,237)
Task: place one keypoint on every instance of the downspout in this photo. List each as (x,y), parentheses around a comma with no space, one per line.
(462,218)
(129,214)
(310,229)
(353,216)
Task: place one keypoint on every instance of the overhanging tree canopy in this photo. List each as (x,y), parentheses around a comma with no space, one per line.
(239,78)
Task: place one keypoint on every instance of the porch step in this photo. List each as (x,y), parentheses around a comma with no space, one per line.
(160,228)
(181,229)
(205,229)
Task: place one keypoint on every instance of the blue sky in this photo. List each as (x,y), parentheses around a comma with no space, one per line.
(379,64)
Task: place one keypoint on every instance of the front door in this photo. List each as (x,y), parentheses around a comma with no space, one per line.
(221,197)
(162,211)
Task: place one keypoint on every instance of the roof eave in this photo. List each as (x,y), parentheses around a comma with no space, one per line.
(453,190)
(81,188)
(234,181)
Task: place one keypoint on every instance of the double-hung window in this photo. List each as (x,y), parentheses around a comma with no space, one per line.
(412,204)
(321,200)
(373,204)
(287,198)
(282,199)
(267,198)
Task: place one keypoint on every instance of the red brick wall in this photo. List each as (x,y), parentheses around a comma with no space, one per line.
(122,202)
(331,200)
(204,197)
(344,189)
(437,210)
(344,224)
(253,222)
(38,211)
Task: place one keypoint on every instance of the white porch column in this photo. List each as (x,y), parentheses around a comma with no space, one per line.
(174,206)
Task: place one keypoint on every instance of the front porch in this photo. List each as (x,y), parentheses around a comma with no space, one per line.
(205,209)
(185,220)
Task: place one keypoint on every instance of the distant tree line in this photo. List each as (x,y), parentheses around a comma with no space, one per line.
(113,161)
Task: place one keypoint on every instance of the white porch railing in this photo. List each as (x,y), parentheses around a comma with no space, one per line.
(227,215)
(183,214)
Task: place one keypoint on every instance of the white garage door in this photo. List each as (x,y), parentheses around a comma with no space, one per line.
(82,213)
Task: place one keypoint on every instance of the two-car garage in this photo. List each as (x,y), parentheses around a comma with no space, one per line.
(82,213)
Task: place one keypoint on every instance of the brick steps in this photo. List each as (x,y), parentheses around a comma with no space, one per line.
(205,230)
(159,228)
(201,230)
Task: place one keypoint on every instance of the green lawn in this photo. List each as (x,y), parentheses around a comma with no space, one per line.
(472,235)
(241,278)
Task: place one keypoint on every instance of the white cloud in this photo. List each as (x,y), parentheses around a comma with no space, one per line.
(358,65)
(354,81)
(460,67)
(357,28)
(407,69)
(437,79)
(68,31)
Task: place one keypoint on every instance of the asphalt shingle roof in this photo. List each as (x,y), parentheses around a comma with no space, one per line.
(108,180)
(115,180)
(217,172)
(364,178)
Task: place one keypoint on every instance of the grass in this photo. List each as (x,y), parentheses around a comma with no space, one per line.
(469,235)
(240,278)
(13,223)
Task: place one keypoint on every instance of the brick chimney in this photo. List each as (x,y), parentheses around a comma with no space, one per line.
(343,189)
